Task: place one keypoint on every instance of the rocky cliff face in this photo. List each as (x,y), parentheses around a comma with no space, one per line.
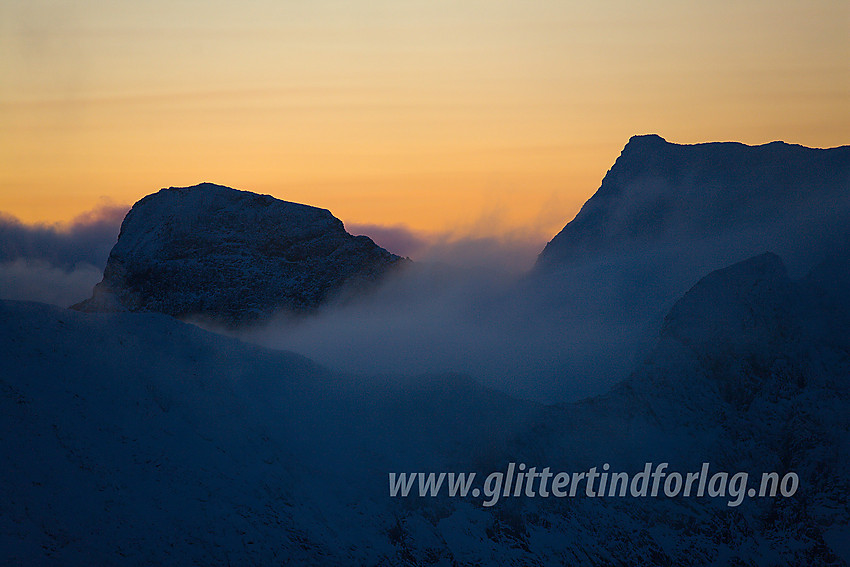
(232,256)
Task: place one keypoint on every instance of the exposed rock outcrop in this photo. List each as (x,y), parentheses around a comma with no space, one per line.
(232,256)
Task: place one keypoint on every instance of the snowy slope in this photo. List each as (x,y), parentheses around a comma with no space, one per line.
(745,377)
(135,439)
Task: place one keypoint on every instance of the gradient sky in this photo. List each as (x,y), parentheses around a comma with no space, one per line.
(442,115)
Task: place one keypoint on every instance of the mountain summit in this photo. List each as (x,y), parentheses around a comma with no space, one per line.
(775,196)
(233,256)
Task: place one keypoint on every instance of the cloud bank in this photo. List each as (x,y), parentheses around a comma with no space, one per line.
(56,264)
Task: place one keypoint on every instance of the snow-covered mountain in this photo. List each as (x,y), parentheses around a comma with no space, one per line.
(132,438)
(712,197)
(232,256)
(667,214)
(747,375)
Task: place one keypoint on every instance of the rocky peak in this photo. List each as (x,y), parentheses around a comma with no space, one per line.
(230,255)
(662,194)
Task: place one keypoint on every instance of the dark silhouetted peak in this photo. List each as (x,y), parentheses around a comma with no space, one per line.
(658,194)
(231,255)
(645,141)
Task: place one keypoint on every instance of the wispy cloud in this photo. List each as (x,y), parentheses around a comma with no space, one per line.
(512,252)
(398,239)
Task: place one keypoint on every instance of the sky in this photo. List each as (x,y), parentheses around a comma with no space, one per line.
(469,117)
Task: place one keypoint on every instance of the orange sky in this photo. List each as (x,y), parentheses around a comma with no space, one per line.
(443,115)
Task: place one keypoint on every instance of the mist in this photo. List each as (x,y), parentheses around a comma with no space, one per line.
(468,305)
(478,306)
(37,280)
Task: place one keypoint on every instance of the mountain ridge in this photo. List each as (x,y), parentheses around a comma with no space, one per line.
(654,186)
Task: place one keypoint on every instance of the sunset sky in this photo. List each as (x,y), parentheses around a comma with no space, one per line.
(472,116)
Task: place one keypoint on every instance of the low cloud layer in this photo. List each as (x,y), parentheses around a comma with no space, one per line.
(483,318)
(513,252)
(398,239)
(86,239)
(37,280)
(469,305)
(56,264)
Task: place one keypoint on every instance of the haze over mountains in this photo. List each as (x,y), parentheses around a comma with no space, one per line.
(667,214)
(133,438)
(585,316)
(57,265)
